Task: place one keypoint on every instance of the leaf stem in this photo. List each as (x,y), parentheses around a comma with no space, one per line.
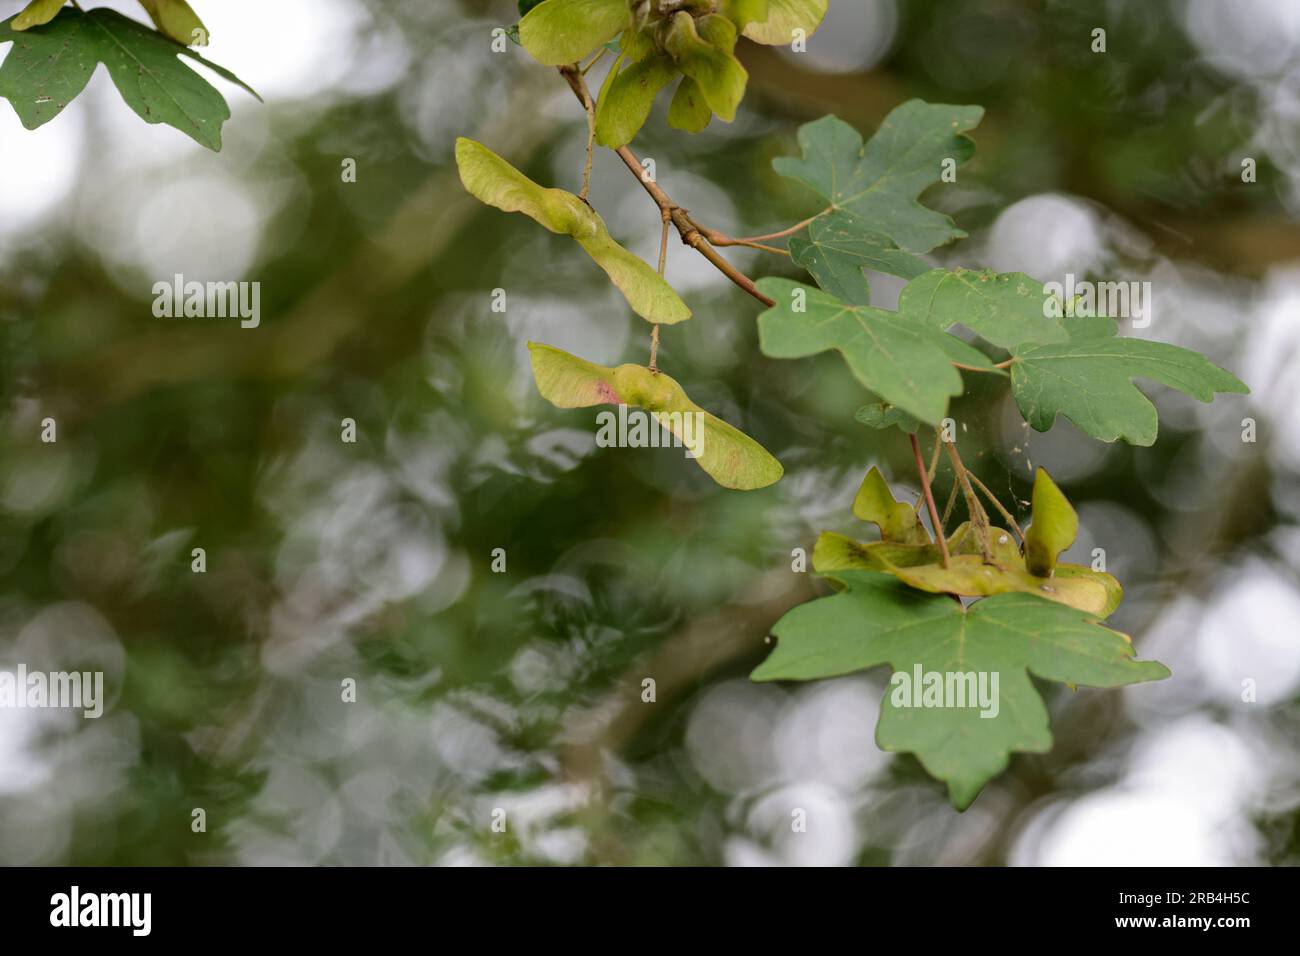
(802,224)
(934,466)
(663,261)
(929,498)
(1015,525)
(689,232)
(978,516)
(722,239)
(952,500)
(593,61)
(590,107)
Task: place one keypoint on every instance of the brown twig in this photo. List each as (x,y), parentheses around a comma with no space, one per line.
(663,262)
(718,238)
(1015,525)
(929,498)
(689,232)
(589,106)
(978,516)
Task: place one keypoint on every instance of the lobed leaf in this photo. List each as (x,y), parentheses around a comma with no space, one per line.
(1005,309)
(839,248)
(876,620)
(728,455)
(906,363)
(1089,380)
(492,180)
(51,64)
(879,181)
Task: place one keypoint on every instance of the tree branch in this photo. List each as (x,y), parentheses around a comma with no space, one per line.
(690,233)
(929,498)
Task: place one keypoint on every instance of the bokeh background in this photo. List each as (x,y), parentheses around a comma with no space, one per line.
(521,690)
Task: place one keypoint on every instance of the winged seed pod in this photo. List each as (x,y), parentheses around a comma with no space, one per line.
(728,455)
(691,39)
(492,180)
(177,19)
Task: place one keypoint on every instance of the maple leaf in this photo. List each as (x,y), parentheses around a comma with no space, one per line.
(999,641)
(1089,380)
(907,363)
(51,63)
(878,182)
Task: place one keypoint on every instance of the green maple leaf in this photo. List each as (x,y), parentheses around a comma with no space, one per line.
(727,455)
(1088,379)
(878,182)
(876,620)
(906,363)
(492,180)
(50,64)
(1006,310)
(839,247)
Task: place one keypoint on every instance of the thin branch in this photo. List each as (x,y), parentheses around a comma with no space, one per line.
(952,500)
(717,238)
(1007,364)
(590,107)
(1015,525)
(663,261)
(663,241)
(976,368)
(978,516)
(594,60)
(689,232)
(784,232)
(929,498)
(934,466)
